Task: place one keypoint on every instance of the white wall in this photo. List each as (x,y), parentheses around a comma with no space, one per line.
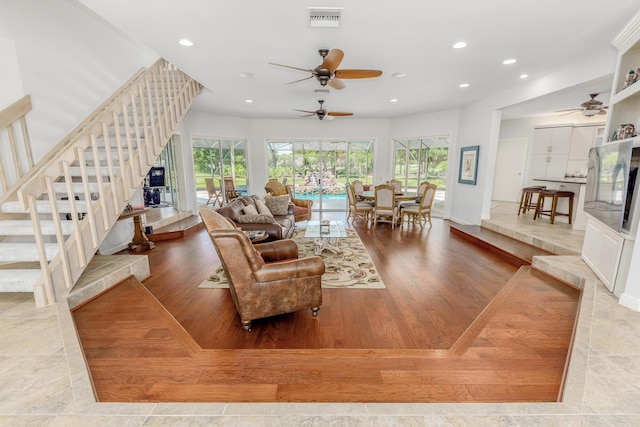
(258,131)
(69,62)
(480,125)
(10,81)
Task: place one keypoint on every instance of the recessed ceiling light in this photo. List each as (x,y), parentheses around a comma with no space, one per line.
(247,75)
(509,61)
(524,76)
(464,85)
(393,100)
(398,75)
(185,42)
(460,45)
(248,101)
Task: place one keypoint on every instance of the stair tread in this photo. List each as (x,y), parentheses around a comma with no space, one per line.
(19,280)
(513,247)
(25,227)
(25,252)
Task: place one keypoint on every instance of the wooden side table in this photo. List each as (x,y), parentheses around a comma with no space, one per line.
(140,239)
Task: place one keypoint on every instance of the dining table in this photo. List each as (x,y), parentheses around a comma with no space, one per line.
(400,197)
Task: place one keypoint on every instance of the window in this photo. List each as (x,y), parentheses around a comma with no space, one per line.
(319,170)
(219,158)
(423,159)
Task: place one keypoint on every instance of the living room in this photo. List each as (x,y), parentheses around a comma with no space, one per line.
(41,65)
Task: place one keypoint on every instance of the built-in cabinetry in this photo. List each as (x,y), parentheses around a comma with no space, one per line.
(582,139)
(615,256)
(562,150)
(603,252)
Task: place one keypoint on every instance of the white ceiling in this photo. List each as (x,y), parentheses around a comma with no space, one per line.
(413,37)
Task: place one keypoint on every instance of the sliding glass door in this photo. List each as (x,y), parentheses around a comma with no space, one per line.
(219,158)
(423,159)
(319,170)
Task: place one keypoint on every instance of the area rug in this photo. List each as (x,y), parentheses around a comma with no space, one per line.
(351,269)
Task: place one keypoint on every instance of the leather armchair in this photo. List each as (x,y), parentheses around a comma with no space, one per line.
(302,206)
(260,286)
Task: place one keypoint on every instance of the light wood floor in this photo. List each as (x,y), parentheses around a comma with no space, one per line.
(453,325)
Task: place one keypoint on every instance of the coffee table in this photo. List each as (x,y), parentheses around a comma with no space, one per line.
(325,237)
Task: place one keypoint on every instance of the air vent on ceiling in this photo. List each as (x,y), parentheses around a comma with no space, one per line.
(325,16)
(321,90)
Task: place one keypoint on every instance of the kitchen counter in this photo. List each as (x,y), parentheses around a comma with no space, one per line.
(578,186)
(565,180)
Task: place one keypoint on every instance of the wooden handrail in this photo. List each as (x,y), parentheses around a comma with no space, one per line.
(157,99)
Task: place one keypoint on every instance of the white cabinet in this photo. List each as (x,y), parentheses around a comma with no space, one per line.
(601,251)
(550,152)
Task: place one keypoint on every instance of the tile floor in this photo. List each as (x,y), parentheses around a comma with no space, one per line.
(44,381)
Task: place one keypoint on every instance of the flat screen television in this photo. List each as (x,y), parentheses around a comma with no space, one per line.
(610,184)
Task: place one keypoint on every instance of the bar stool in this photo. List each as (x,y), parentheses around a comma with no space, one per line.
(555,195)
(526,201)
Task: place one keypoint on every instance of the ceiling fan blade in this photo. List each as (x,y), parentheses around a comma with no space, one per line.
(357,74)
(329,117)
(601,112)
(339,114)
(301,80)
(336,84)
(333,59)
(304,111)
(569,109)
(306,70)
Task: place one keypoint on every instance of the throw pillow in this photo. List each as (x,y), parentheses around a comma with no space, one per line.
(256,219)
(278,205)
(250,210)
(262,207)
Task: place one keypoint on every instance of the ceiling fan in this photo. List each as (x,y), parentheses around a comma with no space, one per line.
(589,108)
(327,73)
(322,113)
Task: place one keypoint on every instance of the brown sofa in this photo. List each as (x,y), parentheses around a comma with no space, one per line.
(265,279)
(282,228)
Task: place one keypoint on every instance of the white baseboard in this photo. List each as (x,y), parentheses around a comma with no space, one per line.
(629,301)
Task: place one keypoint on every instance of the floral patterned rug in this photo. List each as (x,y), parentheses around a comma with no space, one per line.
(350,269)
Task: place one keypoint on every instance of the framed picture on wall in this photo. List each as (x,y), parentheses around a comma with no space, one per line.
(468,173)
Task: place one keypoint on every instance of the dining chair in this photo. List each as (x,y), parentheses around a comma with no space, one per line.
(357,209)
(397,185)
(385,209)
(421,211)
(358,188)
(215,194)
(230,191)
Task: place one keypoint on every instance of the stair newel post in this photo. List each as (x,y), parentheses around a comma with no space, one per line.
(152,125)
(47,297)
(129,159)
(160,133)
(90,215)
(73,209)
(138,122)
(170,105)
(165,113)
(112,181)
(121,161)
(27,141)
(101,193)
(14,152)
(179,96)
(55,216)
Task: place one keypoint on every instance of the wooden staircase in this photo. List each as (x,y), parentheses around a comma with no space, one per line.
(55,214)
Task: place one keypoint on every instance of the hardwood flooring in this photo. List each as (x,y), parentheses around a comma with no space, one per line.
(455,324)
